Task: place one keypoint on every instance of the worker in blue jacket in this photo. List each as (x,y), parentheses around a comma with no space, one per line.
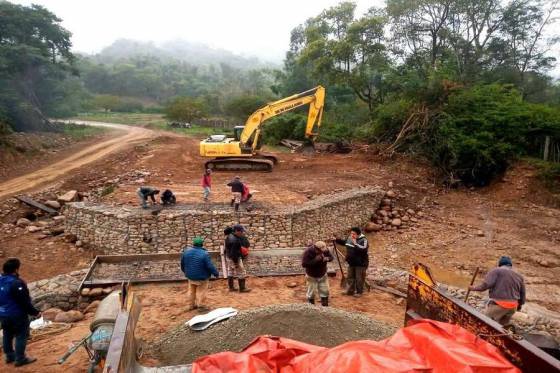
(197,267)
(15,308)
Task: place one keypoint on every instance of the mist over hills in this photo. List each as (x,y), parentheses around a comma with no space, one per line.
(190,52)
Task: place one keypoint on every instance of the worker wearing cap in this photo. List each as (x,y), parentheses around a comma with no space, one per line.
(235,241)
(206,184)
(506,290)
(237,188)
(197,267)
(314,260)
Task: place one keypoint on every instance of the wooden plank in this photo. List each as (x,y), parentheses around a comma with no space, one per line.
(389,290)
(29,201)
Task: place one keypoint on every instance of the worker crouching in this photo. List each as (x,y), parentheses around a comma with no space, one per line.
(197,267)
(314,260)
(506,290)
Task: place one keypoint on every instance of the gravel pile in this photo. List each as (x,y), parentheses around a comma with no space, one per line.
(323,326)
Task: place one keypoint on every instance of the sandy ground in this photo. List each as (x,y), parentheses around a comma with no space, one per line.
(164,307)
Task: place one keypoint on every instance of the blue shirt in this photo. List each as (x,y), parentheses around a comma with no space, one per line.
(197,265)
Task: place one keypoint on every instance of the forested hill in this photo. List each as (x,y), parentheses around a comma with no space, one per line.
(193,53)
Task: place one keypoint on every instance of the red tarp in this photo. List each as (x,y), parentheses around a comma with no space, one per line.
(423,346)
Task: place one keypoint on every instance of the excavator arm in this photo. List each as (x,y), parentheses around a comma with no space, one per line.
(314,97)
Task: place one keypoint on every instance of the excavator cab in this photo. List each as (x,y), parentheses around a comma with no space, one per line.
(237,130)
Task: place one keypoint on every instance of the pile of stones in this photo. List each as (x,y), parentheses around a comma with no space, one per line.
(390,217)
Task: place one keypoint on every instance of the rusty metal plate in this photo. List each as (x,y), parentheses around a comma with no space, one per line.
(435,304)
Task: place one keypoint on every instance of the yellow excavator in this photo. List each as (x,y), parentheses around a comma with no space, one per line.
(242,152)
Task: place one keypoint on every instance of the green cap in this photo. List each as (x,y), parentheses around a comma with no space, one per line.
(198,241)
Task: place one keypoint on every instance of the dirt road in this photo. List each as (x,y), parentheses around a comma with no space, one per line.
(125,136)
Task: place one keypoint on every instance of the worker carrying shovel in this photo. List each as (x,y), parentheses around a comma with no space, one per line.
(357,247)
(506,290)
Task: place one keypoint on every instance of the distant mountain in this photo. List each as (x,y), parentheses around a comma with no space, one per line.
(193,53)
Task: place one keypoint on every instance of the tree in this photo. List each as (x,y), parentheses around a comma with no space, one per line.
(185,109)
(242,106)
(107,102)
(342,50)
(34,55)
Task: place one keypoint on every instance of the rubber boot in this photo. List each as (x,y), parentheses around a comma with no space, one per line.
(242,288)
(312,300)
(325,301)
(237,207)
(231,284)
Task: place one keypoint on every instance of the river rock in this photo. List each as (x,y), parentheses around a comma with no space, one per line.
(23,222)
(53,204)
(391,194)
(396,222)
(69,196)
(69,316)
(92,307)
(372,227)
(51,313)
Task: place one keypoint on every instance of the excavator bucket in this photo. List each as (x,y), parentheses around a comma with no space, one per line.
(423,273)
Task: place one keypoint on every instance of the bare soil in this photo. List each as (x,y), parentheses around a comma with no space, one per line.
(462,228)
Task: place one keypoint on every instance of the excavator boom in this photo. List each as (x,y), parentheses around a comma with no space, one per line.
(242,152)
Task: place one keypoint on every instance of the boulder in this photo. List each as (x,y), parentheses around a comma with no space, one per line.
(34,229)
(23,222)
(69,196)
(92,307)
(480,233)
(70,237)
(383,213)
(59,218)
(56,231)
(51,313)
(372,227)
(53,204)
(69,316)
(396,222)
(107,291)
(95,292)
(410,212)
(292,284)
(85,292)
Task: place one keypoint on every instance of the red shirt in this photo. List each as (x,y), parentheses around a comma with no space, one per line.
(206,181)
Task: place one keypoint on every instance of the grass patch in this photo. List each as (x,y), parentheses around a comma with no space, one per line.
(152,121)
(79,131)
(548,173)
(107,190)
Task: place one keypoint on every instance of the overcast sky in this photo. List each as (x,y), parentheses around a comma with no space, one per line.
(252,27)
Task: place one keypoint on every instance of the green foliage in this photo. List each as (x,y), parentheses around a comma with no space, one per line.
(35,59)
(107,190)
(241,107)
(285,126)
(482,129)
(116,103)
(548,173)
(185,109)
(79,131)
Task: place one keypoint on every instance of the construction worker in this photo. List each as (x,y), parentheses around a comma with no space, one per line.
(197,267)
(206,183)
(15,308)
(506,291)
(168,198)
(314,260)
(236,192)
(146,192)
(234,247)
(357,247)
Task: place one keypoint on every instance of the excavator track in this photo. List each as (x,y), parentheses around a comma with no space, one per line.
(240,164)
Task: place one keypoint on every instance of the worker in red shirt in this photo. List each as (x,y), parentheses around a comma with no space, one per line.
(207,183)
